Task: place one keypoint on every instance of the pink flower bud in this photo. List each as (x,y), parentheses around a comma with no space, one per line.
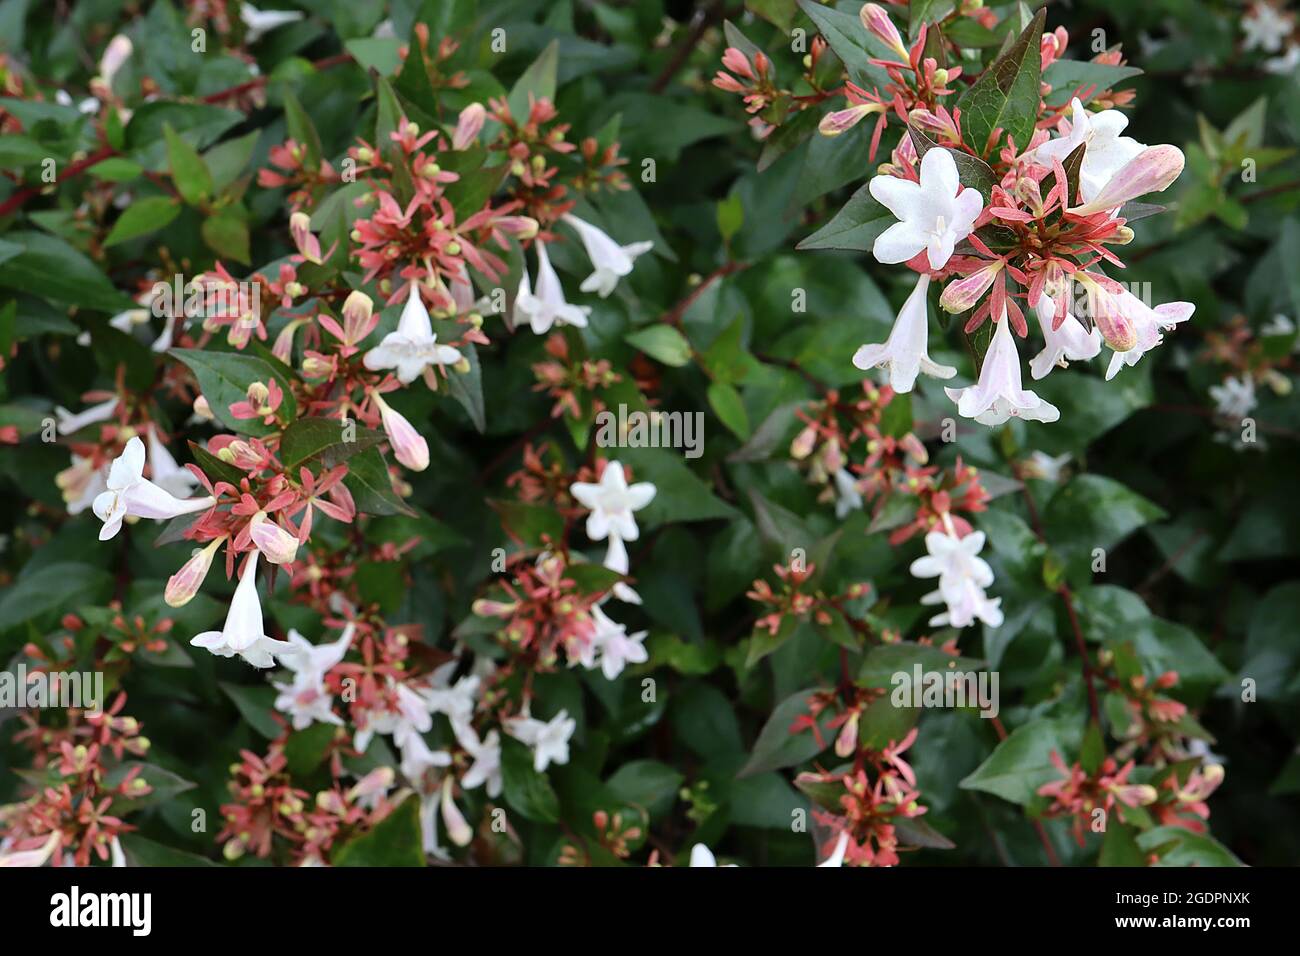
(803,443)
(737,63)
(521,227)
(841,121)
(875,19)
(1150,171)
(359,319)
(458,831)
(468,126)
(279,546)
(185,583)
(308,245)
(964,293)
(1115,327)
(409,447)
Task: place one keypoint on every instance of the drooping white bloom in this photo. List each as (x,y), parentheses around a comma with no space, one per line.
(904,353)
(115,55)
(405,719)
(1266,27)
(33,857)
(1105,150)
(1044,466)
(1235,398)
(409,446)
(612,502)
(616,647)
(609,261)
(414,346)
(1148,326)
(486,768)
(418,758)
(1284,64)
(616,560)
(963,575)
(128,320)
(933,215)
(1070,342)
(456,701)
(546,306)
(549,740)
(836,859)
(306,698)
(847,496)
(165,472)
(244,632)
(81,483)
(68,423)
(130,493)
(701,855)
(262,22)
(997,395)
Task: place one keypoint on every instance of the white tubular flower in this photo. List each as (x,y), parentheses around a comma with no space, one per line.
(305,699)
(130,493)
(963,576)
(836,859)
(933,215)
(262,22)
(1105,152)
(486,768)
(549,740)
(612,502)
(1235,398)
(244,632)
(414,346)
(701,855)
(609,261)
(33,857)
(997,396)
(1071,341)
(68,423)
(617,648)
(904,353)
(279,546)
(616,560)
(1148,326)
(847,496)
(546,306)
(115,55)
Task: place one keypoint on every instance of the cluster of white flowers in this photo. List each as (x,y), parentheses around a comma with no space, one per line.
(613,502)
(1271,30)
(963,575)
(543,305)
(936,213)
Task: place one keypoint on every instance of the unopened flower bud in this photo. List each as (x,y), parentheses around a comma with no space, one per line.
(185,583)
(202,409)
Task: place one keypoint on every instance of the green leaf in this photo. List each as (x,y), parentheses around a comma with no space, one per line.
(143,217)
(854,227)
(537,81)
(302,130)
(141,851)
(224,378)
(257,706)
(52,269)
(730,408)
(371,486)
(526,791)
(322,438)
(971,170)
(163,783)
(467,388)
(1095,512)
(1006,94)
(777,747)
(731,216)
(1184,848)
(851,42)
(1020,764)
(226,234)
(662,342)
(1067,77)
(648,784)
(61,586)
(214,467)
(926,12)
(189,172)
(305,749)
(394,841)
(1119,847)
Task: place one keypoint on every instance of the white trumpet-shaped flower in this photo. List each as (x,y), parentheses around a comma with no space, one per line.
(549,740)
(414,346)
(616,647)
(68,423)
(904,353)
(1070,342)
(934,214)
(546,306)
(262,22)
(609,261)
(612,502)
(305,699)
(997,396)
(130,493)
(165,472)
(244,632)
(1148,327)
(1105,151)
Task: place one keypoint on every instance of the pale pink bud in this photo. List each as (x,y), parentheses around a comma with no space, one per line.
(846,743)
(468,126)
(803,443)
(377,781)
(202,409)
(737,63)
(1150,171)
(283,348)
(1115,327)
(964,293)
(875,19)
(486,607)
(242,455)
(279,546)
(458,831)
(185,583)
(522,227)
(841,121)
(308,245)
(359,319)
(409,447)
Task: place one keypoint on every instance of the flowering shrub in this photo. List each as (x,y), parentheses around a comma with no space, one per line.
(496,436)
